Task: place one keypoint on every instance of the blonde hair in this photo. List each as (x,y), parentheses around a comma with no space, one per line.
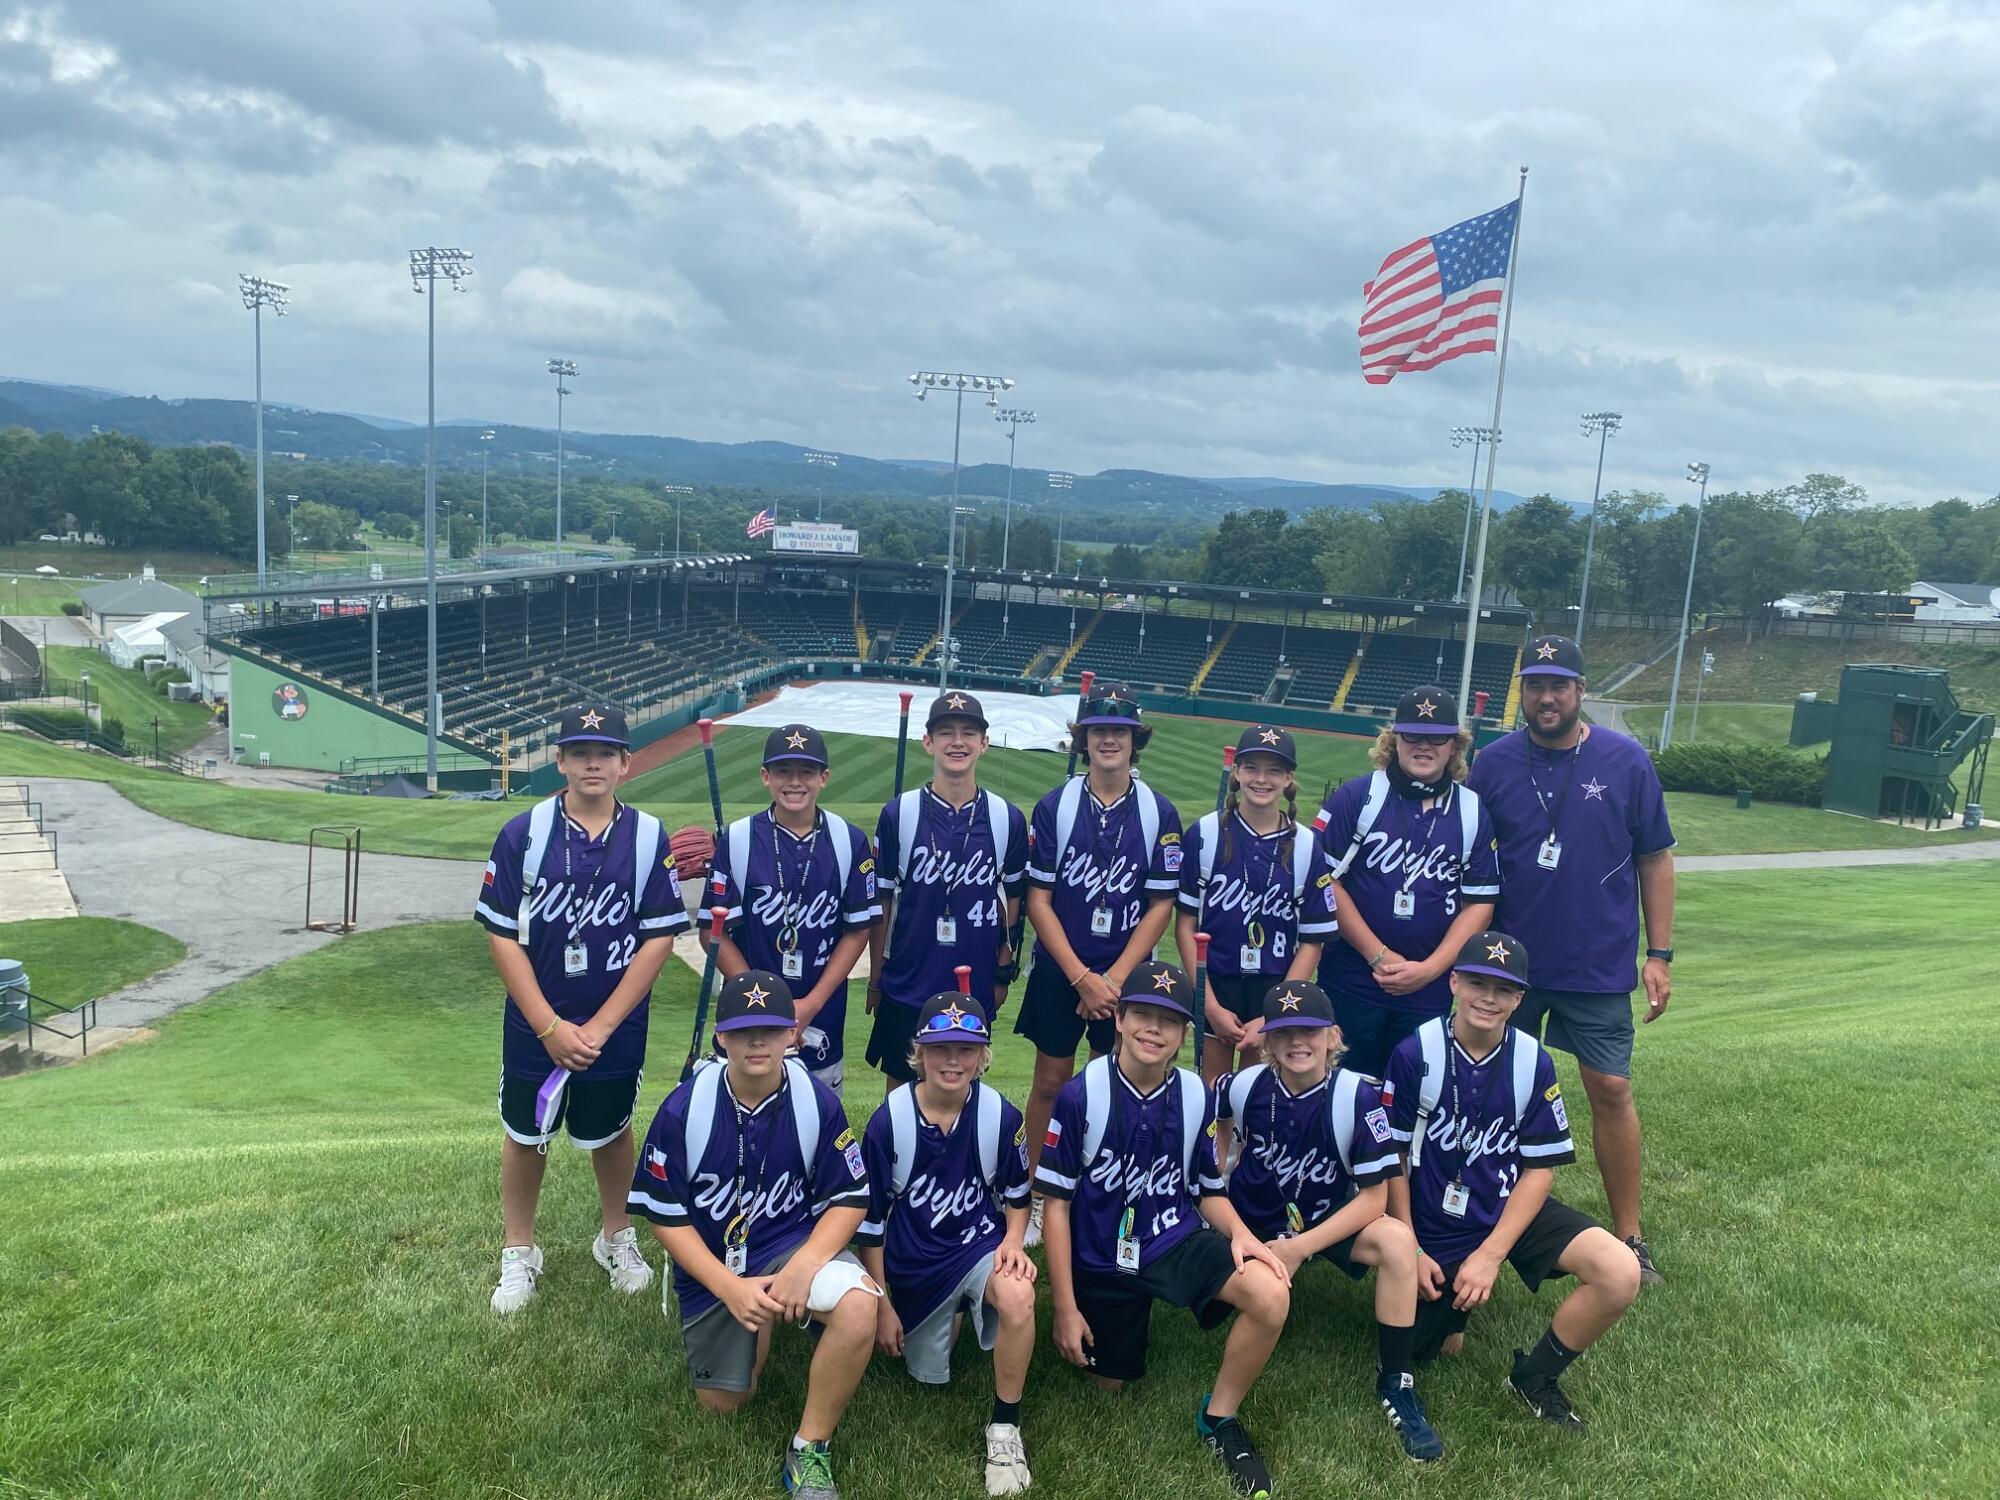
(1382,753)
(916,1052)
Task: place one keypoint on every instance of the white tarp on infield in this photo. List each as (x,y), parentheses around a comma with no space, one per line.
(1018,721)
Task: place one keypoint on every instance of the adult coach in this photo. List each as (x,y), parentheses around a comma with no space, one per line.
(580,903)
(1584,848)
(799,886)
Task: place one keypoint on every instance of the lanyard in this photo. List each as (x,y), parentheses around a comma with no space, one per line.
(1095,835)
(1142,1149)
(965,834)
(1528,749)
(738,1232)
(788,938)
(582,908)
(1465,1121)
(1419,833)
(1254,930)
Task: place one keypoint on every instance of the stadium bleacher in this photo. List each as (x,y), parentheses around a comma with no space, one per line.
(1392,664)
(1010,639)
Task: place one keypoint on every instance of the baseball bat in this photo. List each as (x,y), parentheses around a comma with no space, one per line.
(903,739)
(1200,995)
(1222,787)
(963,974)
(1082,697)
(707,728)
(717,915)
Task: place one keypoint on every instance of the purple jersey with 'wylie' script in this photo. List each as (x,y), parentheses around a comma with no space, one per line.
(791,891)
(1137,1166)
(1252,880)
(1408,851)
(1105,863)
(582,897)
(1289,1155)
(1471,1139)
(1580,921)
(950,873)
(782,1195)
(949,1217)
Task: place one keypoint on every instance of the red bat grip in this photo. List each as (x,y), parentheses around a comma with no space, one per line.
(1228,756)
(963,974)
(906,697)
(1201,948)
(717,915)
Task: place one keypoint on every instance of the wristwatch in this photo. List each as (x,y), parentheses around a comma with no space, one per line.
(1664,955)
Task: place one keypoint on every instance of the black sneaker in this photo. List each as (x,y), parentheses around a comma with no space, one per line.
(1544,1398)
(1649,1274)
(1405,1411)
(1228,1441)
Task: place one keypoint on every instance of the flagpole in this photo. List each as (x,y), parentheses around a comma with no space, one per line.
(1492,451)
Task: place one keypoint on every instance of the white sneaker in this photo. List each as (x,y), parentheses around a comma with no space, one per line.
(1034,1235)
(620,1256)
(1006,1460)
(520,1269)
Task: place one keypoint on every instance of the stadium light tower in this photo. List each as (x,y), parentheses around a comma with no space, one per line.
(823,461)
(1697,474)
(1603,423)
(679,492)
(426,266)
(1460,436)
(958,384)
(485,438)
(562,369)
(259,294)
(1013,419)
(1061,484)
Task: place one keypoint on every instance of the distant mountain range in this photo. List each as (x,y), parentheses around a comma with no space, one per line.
(780,467)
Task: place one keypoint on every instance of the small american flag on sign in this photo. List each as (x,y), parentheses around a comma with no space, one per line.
(766,520)
(1437,297)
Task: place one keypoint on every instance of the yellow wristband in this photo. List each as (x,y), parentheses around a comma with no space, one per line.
(548,1031)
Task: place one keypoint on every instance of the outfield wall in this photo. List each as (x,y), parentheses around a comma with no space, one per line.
(330,727)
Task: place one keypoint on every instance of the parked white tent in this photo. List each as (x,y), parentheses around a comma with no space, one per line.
(141,638)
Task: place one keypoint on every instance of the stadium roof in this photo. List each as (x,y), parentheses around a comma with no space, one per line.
(137,596)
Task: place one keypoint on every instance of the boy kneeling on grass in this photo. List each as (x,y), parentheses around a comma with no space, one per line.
(1128,1164)
(1476,1106)
(754,1185)
(1312,1181)
(947,1167)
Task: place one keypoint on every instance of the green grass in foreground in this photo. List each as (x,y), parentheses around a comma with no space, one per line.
(253,1257)
(73,959)
(126,695)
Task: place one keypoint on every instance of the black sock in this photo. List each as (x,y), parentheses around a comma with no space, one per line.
(1397,1348)
(1005,1413)
(1548,1359)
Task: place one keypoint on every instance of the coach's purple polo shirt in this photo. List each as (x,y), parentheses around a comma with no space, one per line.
(1580,921)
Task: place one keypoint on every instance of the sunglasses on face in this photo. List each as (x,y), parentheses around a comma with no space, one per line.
(1428,739)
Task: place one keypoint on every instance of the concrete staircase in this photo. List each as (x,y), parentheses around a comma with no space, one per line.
(31,879)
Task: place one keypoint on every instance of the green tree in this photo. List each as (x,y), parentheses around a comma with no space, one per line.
(1756,542)
(1824,495)
(1538,553)
(104,486)
(1422,546)
(395,525)
(1857,554)
(464,536)
(318,527)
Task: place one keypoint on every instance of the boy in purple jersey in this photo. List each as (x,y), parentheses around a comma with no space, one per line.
(1136,1214)
(1475,1104)
(1105,861)
(1312,1182)
(1416,875)
(947,1169)
(950,858)
(1584,848)
(1259,885)
(580,903)
(754,1185)
(804,897)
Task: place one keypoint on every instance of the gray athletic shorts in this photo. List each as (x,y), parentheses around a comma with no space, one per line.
(1596,1029)
(927,1347)
(722,1353)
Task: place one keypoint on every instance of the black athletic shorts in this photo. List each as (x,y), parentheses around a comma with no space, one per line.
(889,1040)
(1371,1032)
(1533,1258)
(1048,1015)
(1242,995)
(595,1111)
(1119,1309)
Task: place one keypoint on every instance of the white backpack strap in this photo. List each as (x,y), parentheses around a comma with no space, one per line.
(739,856)
(1194,1099)
(1340,1100)
(908,810)
(1068,801)
(1209,827)
(805,1114)
(840,832)
(1304,845)
(701,1116)
(541,822)
(902,1107)
(1431,1046)
(1149,823)
(646,840)
(1526,1054)
(989,1122)
(1371,809)
(1001,824)
(1239,1092)
(1096,1109)
(1468,826)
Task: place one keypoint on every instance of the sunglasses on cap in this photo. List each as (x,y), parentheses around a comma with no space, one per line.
(956,1020)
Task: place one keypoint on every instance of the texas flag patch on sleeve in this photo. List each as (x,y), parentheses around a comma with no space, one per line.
(656,1163)
(1054,1135)
(487,880)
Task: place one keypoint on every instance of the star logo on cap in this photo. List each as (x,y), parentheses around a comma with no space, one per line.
(1427,709)
(1163,982)
(1269,736)
(952,1013)
(795,741)
(1546,651)
(756,995)
(1289,1001)
(954,701)
(1594,790)
(591,719)
(1497,951)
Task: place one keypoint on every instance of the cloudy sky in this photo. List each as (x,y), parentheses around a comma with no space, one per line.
(1762,231)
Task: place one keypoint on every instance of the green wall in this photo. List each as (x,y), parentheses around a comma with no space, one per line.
(332,730)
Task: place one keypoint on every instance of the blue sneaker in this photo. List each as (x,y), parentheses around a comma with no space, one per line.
(1228,1441)
(1405,1410)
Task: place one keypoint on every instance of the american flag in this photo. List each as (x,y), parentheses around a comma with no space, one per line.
(1437,297)
(767,520)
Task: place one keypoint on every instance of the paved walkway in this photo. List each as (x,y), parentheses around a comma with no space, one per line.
(1841,859)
